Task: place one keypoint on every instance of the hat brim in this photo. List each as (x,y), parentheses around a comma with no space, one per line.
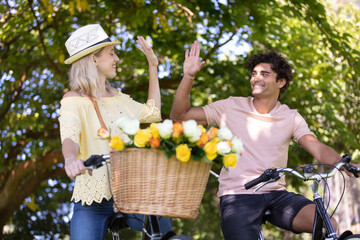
(89,50)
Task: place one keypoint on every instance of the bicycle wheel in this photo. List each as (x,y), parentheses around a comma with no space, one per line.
(353,237)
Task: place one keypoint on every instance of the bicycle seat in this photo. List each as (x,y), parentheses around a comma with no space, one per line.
(117,222)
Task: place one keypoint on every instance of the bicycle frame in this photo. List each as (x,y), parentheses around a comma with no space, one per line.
(322,219)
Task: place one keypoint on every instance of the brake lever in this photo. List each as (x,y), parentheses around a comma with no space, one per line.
(263,184)
(276,176)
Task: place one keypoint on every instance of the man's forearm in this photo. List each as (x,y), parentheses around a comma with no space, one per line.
(181,102)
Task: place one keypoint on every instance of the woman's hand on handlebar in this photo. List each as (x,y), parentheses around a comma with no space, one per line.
(74,167)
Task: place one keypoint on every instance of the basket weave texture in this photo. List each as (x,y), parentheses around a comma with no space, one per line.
(145,181)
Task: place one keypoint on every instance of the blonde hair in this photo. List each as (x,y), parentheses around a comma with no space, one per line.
(84,76)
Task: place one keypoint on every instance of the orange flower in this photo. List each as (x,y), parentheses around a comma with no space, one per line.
(154,142)
(204,138)
(103,133)
(213,132)
(229,142)
(177,130)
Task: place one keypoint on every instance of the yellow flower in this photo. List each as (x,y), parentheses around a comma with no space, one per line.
(230,160)
(142,138)
(154,130)
(202,129)
(183,152)
(117,143)
(211,149)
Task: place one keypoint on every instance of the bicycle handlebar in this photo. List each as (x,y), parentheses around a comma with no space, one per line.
(273,174)
(96,161)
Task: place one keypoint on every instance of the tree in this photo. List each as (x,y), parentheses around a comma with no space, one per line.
(33,79)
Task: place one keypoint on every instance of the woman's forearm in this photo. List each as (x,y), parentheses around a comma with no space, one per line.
(154,86)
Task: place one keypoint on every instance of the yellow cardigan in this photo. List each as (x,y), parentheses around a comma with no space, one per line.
(80,123)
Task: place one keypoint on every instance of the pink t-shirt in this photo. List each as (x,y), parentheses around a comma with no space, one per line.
(266,139)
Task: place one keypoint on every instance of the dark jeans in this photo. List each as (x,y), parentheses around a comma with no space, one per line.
(91,222)
(242,214)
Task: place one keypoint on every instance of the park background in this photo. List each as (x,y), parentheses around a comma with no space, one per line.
(319,38)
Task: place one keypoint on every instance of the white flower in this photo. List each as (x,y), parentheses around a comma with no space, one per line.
(125,138)
(191,130)
(237,145)
(121,122)
(224,133)
(128,126)
(223,147)
(165,128)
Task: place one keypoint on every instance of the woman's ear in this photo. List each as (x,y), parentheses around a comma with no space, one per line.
(94,58)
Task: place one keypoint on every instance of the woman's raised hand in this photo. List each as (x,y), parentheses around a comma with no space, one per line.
(191,63)
(147,50)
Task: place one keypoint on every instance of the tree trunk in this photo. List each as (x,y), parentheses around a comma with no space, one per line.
(348,212)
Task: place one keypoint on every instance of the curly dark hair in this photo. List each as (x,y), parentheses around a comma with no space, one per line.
(278,64)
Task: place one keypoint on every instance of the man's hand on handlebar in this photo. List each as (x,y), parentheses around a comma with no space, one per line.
(350,174)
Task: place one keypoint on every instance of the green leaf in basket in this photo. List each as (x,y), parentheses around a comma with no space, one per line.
(168,153)
(207,160)
(197,154)
(196,158)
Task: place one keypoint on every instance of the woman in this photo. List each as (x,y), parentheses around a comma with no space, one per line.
(93,61)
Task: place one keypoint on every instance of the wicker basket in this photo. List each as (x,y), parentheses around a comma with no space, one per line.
(144,181)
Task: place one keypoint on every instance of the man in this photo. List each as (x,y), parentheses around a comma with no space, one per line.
(266,128)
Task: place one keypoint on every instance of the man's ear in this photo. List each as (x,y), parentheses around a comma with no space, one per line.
(281,82)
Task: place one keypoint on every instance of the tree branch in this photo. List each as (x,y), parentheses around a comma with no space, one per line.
(24,170)
(24,191)
(15,94)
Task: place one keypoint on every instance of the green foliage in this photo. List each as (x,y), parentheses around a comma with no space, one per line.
(319,39)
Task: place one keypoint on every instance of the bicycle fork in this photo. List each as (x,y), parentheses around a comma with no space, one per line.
(322,219)
(153,229)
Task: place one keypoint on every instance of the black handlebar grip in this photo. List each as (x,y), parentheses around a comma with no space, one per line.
(93,160)
(354,170)
(255,182)
(265,176)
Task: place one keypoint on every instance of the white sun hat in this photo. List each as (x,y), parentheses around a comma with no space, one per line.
(86,40)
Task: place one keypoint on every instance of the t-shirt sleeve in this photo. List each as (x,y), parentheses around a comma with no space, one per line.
(213,111)
(69,121)
(301,128)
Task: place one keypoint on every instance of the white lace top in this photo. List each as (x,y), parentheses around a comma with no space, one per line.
(80,123)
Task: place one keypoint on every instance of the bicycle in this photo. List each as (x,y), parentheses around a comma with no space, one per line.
(117,222)
(323,228)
